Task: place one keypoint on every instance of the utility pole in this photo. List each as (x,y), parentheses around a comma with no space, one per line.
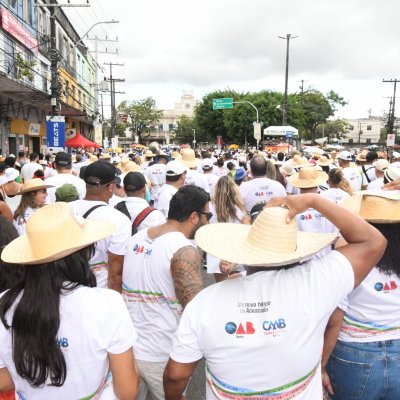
(285,99)
(391,116)
(302,91)
(112,93)
(54,54)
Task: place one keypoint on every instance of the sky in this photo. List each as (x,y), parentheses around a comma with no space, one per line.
(168,46)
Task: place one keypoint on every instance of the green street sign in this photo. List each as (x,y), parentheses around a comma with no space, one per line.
(221,104)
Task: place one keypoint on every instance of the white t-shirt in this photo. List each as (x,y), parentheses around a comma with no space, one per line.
(149,292)
(163,198)
(156,175)
(353,176)
(241,325)
(28,170)
(60,180)
(260,190)
(20,222)
(212,181)
(372,309)
(93,323)
(196,179)
(376,184)
(213,262)
(136,205)
(334,194)
(115,243)
(370,171)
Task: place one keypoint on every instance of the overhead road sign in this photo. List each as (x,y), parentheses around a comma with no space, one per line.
(222,104)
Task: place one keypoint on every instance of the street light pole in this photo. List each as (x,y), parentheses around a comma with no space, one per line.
(285,99)
(194,138)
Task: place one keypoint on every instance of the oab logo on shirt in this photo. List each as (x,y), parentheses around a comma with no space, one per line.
(138,249)
(245,328)
(385,287)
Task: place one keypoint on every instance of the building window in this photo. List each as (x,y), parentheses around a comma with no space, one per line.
(160,127)
(369,128)
(350,141)
(369,141)
(351,127)
(84,101)
(9,57)
(171,127)
(28,11)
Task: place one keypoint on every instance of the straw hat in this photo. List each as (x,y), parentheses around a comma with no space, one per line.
(362,156)
(42,242)
(92,158)
(308,177)
(381,164)
(189,158)
(324,161)
(381,208)
(269,242)
(286,168)
(300,162)
(149,154)
(392,174)
(176,155)
(10,174)
(34,184)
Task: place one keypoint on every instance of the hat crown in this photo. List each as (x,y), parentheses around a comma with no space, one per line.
(188,155)
(263,232)
(308,173)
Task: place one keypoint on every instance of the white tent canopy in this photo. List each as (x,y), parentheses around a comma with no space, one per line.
(286,131)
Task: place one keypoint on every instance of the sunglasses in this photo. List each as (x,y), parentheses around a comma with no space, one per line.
(207,214)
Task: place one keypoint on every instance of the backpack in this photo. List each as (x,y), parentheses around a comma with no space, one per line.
(121,206)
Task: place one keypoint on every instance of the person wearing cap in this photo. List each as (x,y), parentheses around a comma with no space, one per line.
(366,160)
(59,334)
(108,258)
(395,160)
(33,197)
(135,185)
(174,179)
(279,311)
(207,167)
(29,168)
(63,165)
(148,158)
(240,176)
(366,324)
(193,177)
(379,168)
(10,188)
(161,275)
(352,174)
(260,189)
(67,193)
(155,173)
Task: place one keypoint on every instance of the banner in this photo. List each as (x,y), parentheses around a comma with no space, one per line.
(55,131)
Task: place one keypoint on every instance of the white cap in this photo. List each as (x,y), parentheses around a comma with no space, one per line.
(392,174)
(381,164)
(345,155)
(396,154)
(174,168)
(207,164)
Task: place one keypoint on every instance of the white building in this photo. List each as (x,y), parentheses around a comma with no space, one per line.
(363,131)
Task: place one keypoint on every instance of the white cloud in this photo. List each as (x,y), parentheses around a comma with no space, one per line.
(167,46)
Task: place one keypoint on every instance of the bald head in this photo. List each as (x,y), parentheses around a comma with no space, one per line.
(258,166)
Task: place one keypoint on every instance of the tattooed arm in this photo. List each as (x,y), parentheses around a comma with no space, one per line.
(185,271)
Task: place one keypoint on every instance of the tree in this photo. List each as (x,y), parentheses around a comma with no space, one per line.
(143,115)
(335,129)
(184,131)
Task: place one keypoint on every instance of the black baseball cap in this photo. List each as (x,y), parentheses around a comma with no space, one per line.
(100,173)
(63,159)
(134,181)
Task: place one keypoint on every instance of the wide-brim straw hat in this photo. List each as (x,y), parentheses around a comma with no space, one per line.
(32,185)
(362,156)
(54,232)
(300,162)
(269,242)
(308,177)
(149,154)
(378,207)
(324,161)
(189,158)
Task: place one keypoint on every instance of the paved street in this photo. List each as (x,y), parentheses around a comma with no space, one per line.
(197,388)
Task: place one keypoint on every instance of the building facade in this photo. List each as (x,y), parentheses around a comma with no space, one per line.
(363,131)
(25,76)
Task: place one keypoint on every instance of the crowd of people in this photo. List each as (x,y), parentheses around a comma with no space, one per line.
(101,291)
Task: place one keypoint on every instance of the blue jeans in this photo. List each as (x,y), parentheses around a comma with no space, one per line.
(366,371)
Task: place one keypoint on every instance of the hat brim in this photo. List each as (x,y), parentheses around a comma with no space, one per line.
(35,188)
(20,251)
(191,164)
(229,242)
(295,180)
(353,203)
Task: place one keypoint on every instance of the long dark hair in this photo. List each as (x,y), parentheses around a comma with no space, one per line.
(36,318)
(389,263)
